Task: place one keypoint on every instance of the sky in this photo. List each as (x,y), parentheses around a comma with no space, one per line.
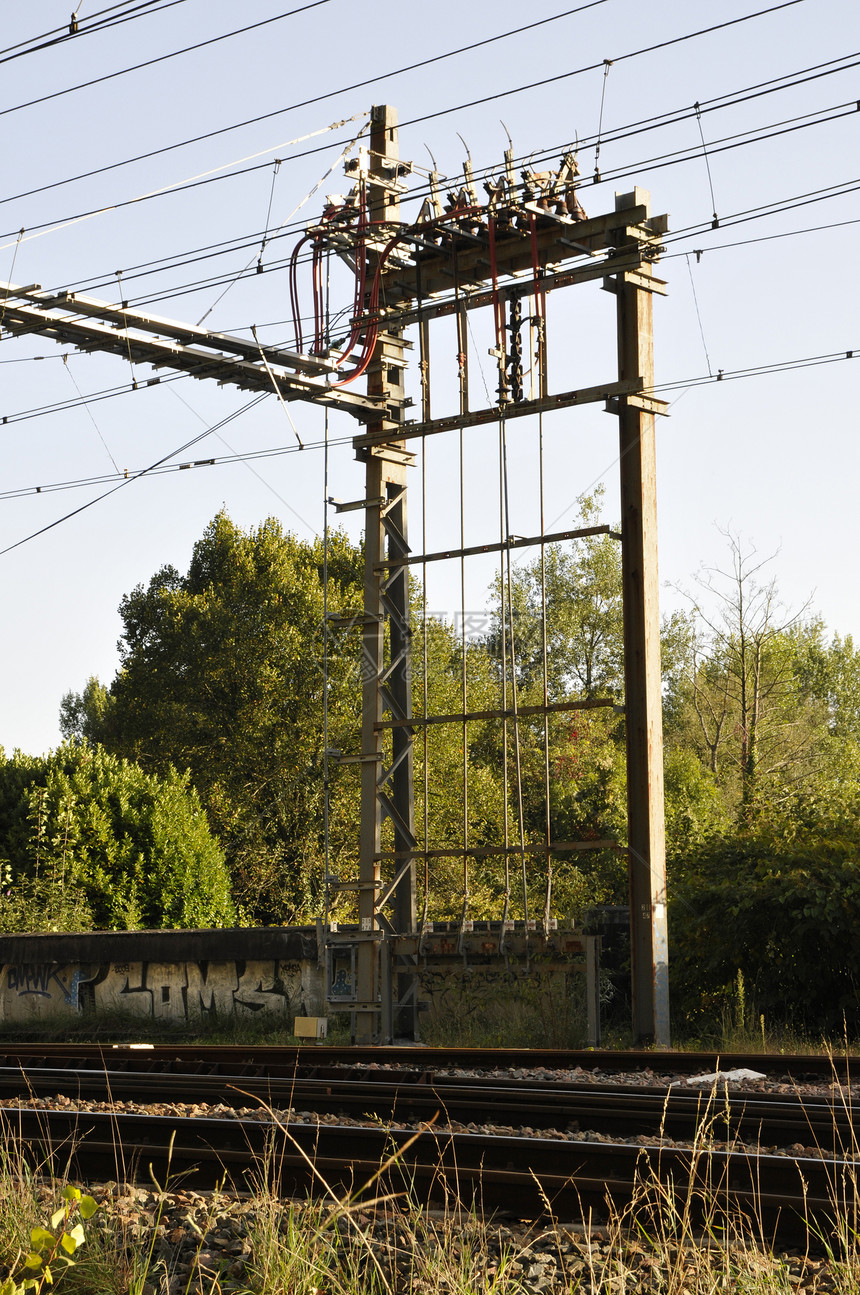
(770,158)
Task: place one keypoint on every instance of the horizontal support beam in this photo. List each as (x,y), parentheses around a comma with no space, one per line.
(129,344)
(565,400)
(490,851)
(502,546)
(551,708)
(557,239)
(78,304)
(523,287)
(648,404)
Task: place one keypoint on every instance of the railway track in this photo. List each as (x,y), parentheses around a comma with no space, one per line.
(553,1145)
(411,1097)
(282,1060)
(525,1177)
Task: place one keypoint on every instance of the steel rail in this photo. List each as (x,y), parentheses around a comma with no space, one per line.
(526,1177)
(615,1110)
(282,1060)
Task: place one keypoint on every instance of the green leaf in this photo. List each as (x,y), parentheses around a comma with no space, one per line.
(33,1260)
(71,1193)
(88,1207)
(76,1235)
(58,1216)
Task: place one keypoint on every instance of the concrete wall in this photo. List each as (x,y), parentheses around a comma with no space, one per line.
(182,974)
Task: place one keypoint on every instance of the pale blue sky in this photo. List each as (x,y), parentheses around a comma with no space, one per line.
(775,457)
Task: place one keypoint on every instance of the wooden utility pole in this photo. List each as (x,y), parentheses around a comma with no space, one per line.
(642,681)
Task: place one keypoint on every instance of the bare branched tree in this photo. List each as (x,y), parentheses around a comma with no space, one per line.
(743,678)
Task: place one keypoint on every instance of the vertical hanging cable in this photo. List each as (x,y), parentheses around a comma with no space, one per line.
(545,676)
(90,415)
(463,369)
(326,767)
(21,233)
(698,313)
(515,695)
(539,308)
(125,326)
(607,64)
(326,809)
(464,688)
(715,223)
(503,648)
(424,366)
(277,168)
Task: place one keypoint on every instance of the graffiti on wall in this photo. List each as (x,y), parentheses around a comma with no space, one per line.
(168,991)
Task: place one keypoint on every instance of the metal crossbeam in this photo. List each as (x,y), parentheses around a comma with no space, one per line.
(230,361)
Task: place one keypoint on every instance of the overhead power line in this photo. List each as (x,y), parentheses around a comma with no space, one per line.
(384,76)
(161,58)
(691,153)
(134,476)
(591,67)
(78,27)
(632,169)
(163,466)
(672,116)
(681,236)
(37,231)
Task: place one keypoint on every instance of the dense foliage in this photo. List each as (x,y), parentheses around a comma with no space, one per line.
(222,674)
(91,840)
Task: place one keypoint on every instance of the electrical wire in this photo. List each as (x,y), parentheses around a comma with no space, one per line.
(690,154)
(304,103)
(162,58)
(841,189)
(205,177)
(727,222)
(143,9)
(162,466)
(411,67)
(671,117)
(132,477)
(591,67)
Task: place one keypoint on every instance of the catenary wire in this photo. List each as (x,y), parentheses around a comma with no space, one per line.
(252,121)
(162,466)
(679,237)
(705,226)
(86,27)
(162,58)
(305,103)
(181,186)
(785,81)
(774,208)
(134,476)
(591,67)
(689,154)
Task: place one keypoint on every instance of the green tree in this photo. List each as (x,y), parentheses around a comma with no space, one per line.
(743,704)
(565,608)
(784,914)
(221,674)
(90,840)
